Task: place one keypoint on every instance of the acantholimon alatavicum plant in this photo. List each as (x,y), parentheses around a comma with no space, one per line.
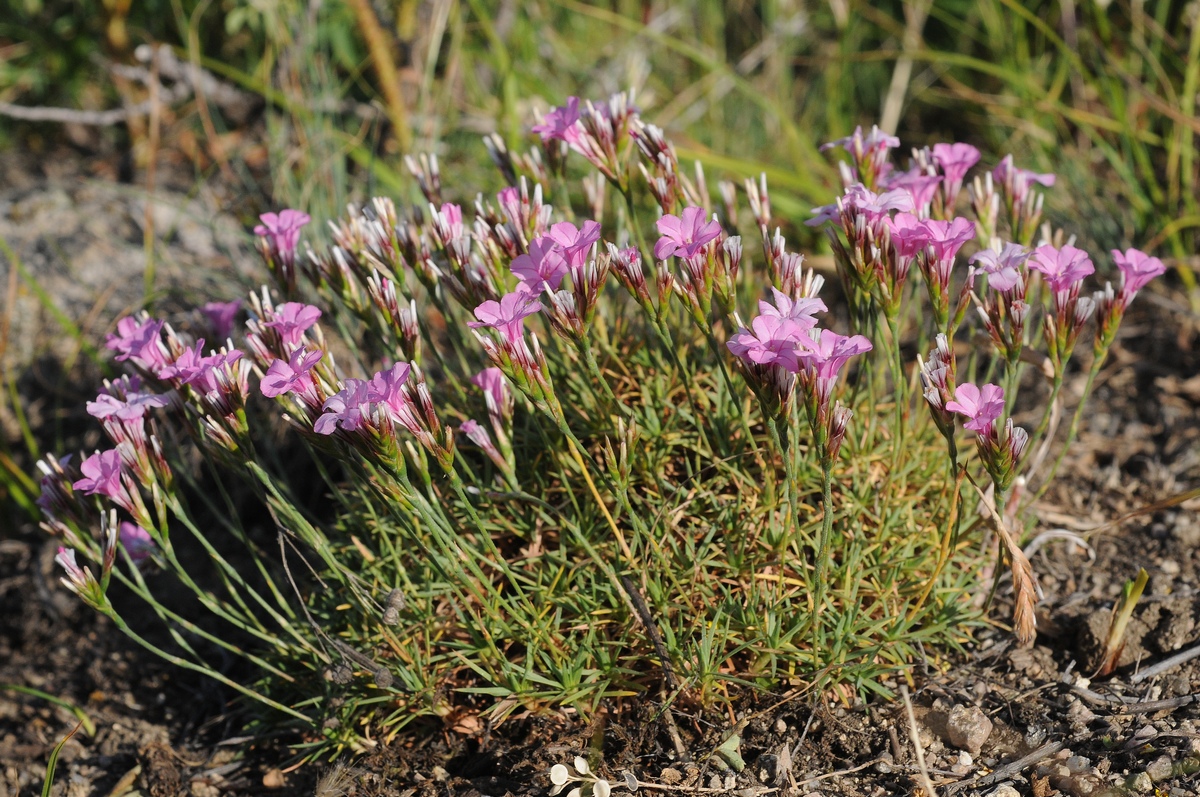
(571,456)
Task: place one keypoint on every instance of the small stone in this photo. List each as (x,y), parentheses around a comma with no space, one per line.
(780,726)
(1160,768)
(963,764)
(715,782)
(274,779)
(730,782)
(1004,790)
(670,776)
(1141,782)
(1169,567)
(1078,763)
(967,728)
(1079,714)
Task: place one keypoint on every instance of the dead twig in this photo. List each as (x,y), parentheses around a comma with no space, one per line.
(1126,707)
(1008,770)
(914,735)
(1165,664)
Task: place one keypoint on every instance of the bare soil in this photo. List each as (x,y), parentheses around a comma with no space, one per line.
(162,731)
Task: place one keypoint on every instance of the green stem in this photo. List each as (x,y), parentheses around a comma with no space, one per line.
(200,668)
(1097,363)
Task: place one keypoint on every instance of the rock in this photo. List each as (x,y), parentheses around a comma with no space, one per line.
(1141,782)
(670,776)
(1160,768)
(1078,764)
(1004,790)
(967,728)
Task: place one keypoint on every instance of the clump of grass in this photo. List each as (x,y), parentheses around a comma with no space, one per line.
(558,468)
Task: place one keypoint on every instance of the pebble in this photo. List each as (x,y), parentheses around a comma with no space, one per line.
(1141,782)
(1004,790)
(780,725)
(1160,768)
(967,728)
(1078,763)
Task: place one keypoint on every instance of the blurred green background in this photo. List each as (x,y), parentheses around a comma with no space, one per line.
(1103,93)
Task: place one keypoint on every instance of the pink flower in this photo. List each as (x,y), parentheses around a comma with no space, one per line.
(347,410)
(387,388)
(822,360)
(981,407)
(476,434)
(140,342)
(507,315)
(543,266)
(1137,269)
(920,186)
(954,160)
(132,408)
(1063,268)
(561,124)
(910,236)
(771,340)
(290,376)
(947,237)
(220,316)
(575,242)
(136,541)
(102,474)
(866,202)
(282,229)
(800,312)
(684,236)
(291,320)
(830,351)
(857,144)
(1002,268)
(1020,179)
(494,386)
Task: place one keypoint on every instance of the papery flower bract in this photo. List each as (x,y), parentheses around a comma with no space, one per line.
(291,375)
(80,579)
(136,541)
(981,407)
(1137,269)
(291,320)
(544,266)
(575,241)
(346,410)
(133,407)
(1002,268)
(507,315)
(102,474)
(684,235)
(282,229)
(220,316)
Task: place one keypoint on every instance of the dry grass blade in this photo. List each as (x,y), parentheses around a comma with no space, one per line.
(1024,585)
